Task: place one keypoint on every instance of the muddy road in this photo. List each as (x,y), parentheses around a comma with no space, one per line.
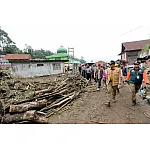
(90,109)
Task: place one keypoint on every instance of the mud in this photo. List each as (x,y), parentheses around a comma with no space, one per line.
(91,109)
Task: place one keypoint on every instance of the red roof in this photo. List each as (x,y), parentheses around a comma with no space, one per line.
(2,56)
(18,57)
(135,45)
(100,62)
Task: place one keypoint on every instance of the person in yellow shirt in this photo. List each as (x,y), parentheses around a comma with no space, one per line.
(113,81)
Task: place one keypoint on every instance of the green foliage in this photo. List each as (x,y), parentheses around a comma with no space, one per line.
(40,53)
(82,60)
(7,46)
(146,49)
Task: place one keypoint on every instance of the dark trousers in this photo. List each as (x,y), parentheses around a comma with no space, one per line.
(83,73)
(80,70)
(88,76)
(99,82)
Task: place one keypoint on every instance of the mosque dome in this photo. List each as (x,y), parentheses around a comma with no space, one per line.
(61,50)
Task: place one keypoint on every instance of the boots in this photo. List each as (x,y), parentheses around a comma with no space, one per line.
(118,90)
(107,104)
(113,100)
(133,102)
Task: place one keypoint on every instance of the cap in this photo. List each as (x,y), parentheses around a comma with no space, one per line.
(136,63)
(112,62)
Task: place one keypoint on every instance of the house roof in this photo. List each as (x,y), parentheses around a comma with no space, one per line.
(135,45)
(32,60)
(2,56)
(100,62)
(18,57)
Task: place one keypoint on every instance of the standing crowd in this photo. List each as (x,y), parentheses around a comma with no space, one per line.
(112,76)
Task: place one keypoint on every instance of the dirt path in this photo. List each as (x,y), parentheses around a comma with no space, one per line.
(90,108)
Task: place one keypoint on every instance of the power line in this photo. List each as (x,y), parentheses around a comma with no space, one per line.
(131,30)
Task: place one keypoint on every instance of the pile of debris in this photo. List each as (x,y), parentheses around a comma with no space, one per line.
(24,101)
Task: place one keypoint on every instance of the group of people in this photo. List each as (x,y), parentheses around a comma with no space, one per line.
(95,73)
(113,76)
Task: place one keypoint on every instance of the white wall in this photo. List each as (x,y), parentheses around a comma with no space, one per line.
(124,56)
(31,69)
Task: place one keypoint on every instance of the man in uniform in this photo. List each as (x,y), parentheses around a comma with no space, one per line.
(134,78)
(113,81)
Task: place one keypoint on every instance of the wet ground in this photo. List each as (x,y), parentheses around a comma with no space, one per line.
(90,109)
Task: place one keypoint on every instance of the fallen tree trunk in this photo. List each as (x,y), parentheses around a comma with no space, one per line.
(58,100)
(65,102)
(46,95)
(31,115)
(27,106)
(1,107)
(43,91)
(27,116)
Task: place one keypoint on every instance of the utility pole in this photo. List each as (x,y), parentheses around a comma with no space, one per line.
(71,50)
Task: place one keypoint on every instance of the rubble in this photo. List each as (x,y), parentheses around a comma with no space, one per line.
(36,99)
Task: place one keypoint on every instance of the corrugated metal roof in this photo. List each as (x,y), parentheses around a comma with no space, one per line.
(135,45)
(18,57)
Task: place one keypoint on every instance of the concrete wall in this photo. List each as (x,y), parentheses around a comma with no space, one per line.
(31,69)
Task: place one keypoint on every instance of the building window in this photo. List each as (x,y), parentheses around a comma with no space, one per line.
(39,65)
(57,66)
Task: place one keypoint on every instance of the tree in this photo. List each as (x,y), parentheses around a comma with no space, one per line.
(146,49)
(82,60)
(37,53)
(7,46)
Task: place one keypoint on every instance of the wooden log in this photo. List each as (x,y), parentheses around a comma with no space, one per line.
(1,107)
(31,116)
(44,91)
(49,113)
(58,100)
(63,101)
(62,84)
(27,106)
(27,116)
(46,95)
(41,120)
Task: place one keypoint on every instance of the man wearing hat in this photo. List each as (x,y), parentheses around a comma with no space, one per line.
(113,82)
(134,78)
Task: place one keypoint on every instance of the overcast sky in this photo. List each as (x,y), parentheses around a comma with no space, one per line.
(92,27)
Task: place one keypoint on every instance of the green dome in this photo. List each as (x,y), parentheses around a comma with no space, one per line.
(61,50)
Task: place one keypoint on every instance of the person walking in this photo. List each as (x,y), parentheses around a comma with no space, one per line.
(98,76)
(79,67)
(113,81)
(124,74)
(104,78)
(117,66)
(134,78)
(88,73)
(83,71)
(94,72)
